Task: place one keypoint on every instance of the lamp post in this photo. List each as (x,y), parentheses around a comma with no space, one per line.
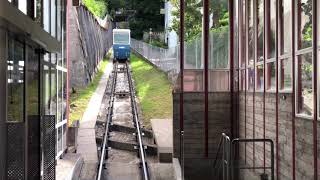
(150,34)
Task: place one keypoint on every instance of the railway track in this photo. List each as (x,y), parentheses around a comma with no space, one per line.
(122,112)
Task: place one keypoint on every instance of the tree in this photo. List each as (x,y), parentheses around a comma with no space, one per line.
(193,18)
(140,14)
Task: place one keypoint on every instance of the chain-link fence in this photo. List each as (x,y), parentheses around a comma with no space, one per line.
(168,60)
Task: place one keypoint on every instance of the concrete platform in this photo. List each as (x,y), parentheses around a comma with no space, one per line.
(162,131)
(69,167)
(87,146)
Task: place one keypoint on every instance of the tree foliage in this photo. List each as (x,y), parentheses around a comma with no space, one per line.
(143,15)
(193,16)
(97,7)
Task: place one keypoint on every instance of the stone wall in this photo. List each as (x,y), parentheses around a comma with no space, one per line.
(89,42)
(196,165)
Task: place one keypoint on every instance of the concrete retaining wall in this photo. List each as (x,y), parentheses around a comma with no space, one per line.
(89,43)
(253,128)
(196,165)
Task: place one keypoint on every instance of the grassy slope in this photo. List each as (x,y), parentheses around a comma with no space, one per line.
(81,98)
(153,89)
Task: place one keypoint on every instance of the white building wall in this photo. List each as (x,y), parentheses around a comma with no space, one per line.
(171,37)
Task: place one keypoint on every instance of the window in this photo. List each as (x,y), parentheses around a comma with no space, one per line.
(271,76)
(304,84)
(259,82)
(250,81)
(46,15)
(242,80)
(304,17)
(285,26)
(59,18)
(251,47)
(242,45)
(243,33)
(37,11)
(260,46)
(33,76)
(285,74)
(271,28)
(304,62)
(22,5)
(260,30)
(250,33)
(16,75)
(121,38)
(53,9)
(53,92)
(46,89)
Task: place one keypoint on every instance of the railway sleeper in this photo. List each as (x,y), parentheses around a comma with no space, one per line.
(126,129)
(150,149)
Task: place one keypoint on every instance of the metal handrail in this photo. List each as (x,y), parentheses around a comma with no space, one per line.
(104,150)
(142,152)
(237,140)
(225,144)
(228,161)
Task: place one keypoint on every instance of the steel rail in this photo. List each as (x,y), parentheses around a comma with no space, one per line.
(104,150)
(137,124)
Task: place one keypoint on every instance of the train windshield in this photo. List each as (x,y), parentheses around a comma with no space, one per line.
(121,38)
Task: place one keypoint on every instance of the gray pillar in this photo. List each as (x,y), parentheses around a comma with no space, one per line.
(3,81)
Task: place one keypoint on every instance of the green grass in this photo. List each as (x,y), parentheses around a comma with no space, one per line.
(97,7)
(153,89)
(80,99)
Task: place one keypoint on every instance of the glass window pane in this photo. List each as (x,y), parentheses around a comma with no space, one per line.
(304,82)
(236,33)
(259,81)
(304,24)
(59,24)
(32,83)
(250,79)
(64,95)
(22,5)
(59,112)
(285,16)
(271,76)
(260,29)
(46,15)
(37,11)
(243,34)
(59,141)
(271,20)
(250,34)
(15,86)
(46,89)
(193,80)
(53,89)
(286,74)
(53,58)
(53,18)
(242,80)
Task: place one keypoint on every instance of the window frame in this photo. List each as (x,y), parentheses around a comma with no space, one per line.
(258,63)
(249,66)
(300,52)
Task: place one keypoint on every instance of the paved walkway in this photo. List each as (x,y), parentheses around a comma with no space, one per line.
(87,146)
